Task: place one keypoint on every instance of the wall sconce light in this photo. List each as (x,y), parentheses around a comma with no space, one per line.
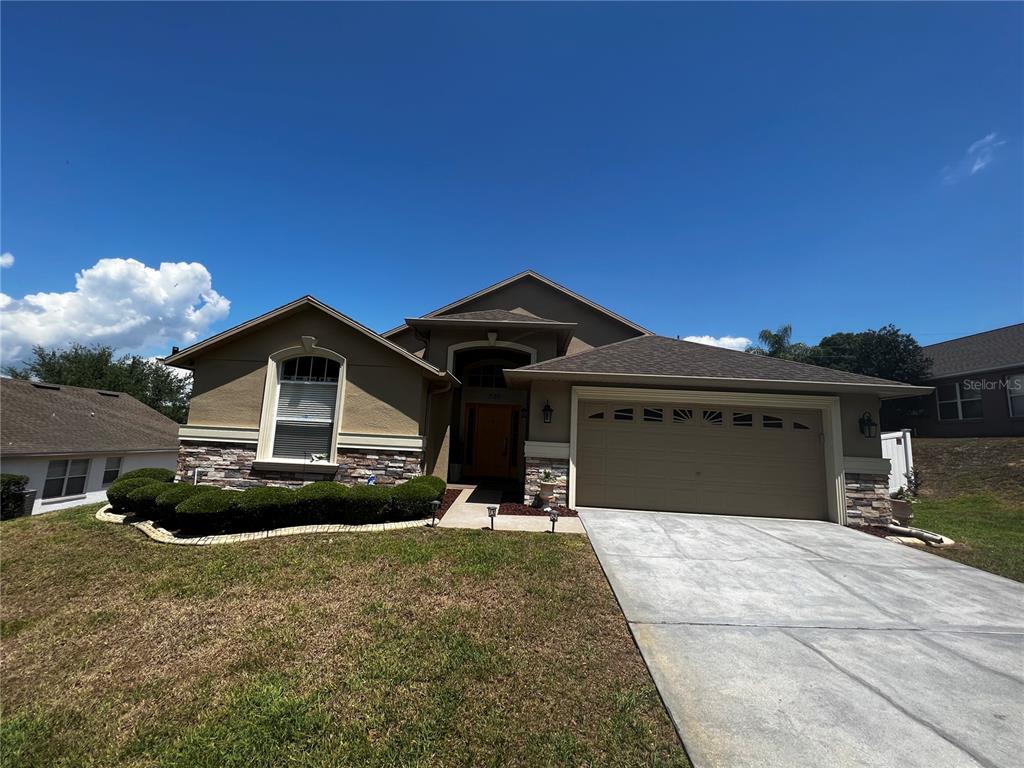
(547,410)
(868,426)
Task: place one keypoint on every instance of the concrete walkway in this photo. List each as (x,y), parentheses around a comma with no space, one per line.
(802,643)
(473,514)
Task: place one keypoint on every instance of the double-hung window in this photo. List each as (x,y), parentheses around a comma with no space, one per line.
(65,477)
(958,400)
(111,470)
(306,401)
(1015,393)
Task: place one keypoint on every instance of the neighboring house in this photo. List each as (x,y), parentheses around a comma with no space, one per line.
(524,377)
(73,442)
(979,386)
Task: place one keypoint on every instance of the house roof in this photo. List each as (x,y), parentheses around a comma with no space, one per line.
(988,351)
(182,358)
(52,420)
(675,361)
(527,274)
(492,315)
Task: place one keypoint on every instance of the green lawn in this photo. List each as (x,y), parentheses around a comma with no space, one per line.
(411,648)
(973,492)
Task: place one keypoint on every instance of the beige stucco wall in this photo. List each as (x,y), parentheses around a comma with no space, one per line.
(384,392)
(559,395)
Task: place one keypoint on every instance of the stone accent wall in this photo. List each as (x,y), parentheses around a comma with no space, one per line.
(535,468)
(867,499)
(230,465)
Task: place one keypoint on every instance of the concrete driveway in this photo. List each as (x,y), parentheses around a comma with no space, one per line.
(801,643)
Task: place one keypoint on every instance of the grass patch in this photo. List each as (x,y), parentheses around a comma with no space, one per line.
(420,647)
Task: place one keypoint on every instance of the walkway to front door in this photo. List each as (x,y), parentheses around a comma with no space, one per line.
(803,643)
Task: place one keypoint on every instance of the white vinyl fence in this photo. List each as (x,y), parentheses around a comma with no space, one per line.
(896,448)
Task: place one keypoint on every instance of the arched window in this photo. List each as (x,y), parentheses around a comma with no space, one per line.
(305,414)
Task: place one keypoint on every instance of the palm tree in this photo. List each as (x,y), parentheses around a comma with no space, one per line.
(773,343)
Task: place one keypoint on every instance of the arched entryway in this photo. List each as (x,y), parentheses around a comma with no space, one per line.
(488,418)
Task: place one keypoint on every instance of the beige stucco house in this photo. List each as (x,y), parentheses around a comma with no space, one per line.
(524,377)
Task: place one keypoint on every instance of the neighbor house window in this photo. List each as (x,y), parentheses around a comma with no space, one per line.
(65,477)
(306,402)
(1015,392)
(957,401)
(111,470)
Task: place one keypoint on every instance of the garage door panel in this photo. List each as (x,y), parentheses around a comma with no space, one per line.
(712,459)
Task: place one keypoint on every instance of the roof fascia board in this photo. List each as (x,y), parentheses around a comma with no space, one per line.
(520,276)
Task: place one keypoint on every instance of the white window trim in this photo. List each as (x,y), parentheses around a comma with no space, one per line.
(1010,395)
(271,389)
(959,403)
(831,424)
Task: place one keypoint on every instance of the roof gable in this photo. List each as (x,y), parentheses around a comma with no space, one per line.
(991,350)
(182,358)
(483,300)
(50,419)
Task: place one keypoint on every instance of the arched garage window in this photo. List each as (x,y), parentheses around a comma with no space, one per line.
(305,414)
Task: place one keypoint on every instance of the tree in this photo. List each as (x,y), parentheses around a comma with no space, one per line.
(778,343)
(94,367)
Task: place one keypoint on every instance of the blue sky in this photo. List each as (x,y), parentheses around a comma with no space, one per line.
(700,169)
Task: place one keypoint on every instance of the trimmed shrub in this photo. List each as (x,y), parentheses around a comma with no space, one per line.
(117,493)
(12,495)
(142,500)
(366,504)
(153,473)
(266,507)
(321,502)
(209,512)
(411,500)
(172,496)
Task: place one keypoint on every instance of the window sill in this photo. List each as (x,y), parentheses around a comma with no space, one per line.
(61,499)
(286,465)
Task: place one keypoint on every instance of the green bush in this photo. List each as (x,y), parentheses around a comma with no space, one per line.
(366,504)
(117,493)
(173,495)
(12,495)
(266,507)
(209,512)
(411,500)
(321,502)
(153,473)
(142,500)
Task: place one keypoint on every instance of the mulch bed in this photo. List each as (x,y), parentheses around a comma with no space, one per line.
(450,495)
(874,530)
(511,508)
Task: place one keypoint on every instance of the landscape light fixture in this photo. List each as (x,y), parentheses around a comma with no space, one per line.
(552,516)
(492,512)
(868,426)
(547,410)
(435,507)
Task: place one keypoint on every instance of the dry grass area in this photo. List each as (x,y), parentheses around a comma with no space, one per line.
(973,491)
(411,648)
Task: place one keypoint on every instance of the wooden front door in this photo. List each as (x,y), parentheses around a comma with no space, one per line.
(492,440)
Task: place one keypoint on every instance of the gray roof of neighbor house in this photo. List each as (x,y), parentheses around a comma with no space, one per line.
(659,357)
(988,351)
(52,420)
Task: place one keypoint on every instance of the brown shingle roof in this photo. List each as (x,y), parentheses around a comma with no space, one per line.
(662,356)
(988,351)
(49,419)
(493,315)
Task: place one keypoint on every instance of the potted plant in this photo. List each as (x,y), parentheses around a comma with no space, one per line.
(547,486)
(902,500)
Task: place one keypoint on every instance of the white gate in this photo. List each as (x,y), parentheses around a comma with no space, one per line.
(896,448)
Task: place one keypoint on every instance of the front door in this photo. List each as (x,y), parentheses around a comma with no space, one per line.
(492,440)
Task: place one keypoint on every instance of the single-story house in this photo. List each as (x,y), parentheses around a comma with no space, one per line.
(979,386)
(73,442)
(526,377)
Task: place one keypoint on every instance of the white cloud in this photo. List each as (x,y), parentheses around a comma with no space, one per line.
(118,302)
(726,342)
(978,157)
(6,260)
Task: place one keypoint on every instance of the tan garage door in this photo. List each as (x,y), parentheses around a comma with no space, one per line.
(699,458)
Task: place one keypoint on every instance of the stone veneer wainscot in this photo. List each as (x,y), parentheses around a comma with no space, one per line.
(867,499)
(535,467)
(231,465)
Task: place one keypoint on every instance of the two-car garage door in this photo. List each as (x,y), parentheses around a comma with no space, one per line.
(683,457)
